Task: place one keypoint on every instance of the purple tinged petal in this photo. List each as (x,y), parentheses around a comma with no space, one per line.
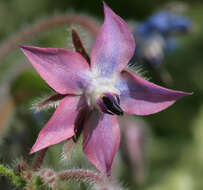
(114,46)
(101,140)
(61,125)
(62,69)
(141,97)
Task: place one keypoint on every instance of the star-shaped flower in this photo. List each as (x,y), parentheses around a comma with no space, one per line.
(92,96)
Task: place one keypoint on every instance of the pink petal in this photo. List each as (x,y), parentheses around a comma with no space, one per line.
(101,140)
(61,125)
(141,97)
(114,45)
(62,69)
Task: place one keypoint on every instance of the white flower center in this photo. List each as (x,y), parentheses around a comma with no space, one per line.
(98,86)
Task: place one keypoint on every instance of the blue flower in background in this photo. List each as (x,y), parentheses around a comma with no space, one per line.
(155,37)
(164,23)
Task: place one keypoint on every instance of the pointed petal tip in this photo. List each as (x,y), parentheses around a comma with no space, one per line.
(24,47)
(101,141)
(60,127)
(36,149)
(32,151)
(104,4)
(189,93)
(111,53)
(147,98)
(107,9)
(182,94)
(21,46)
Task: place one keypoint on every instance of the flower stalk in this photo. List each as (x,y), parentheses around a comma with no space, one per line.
(39,159)
(79,174)
(45,24)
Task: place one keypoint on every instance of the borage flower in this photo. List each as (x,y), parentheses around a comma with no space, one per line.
(93,95)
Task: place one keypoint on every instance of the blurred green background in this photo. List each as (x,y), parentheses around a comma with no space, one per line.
(173,155)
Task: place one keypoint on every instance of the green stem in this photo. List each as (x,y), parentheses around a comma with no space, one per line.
(17,181)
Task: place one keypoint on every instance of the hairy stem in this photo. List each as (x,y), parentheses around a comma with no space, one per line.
(17,181)
(48,23)
(79,174)
(35,183)
(39,159)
